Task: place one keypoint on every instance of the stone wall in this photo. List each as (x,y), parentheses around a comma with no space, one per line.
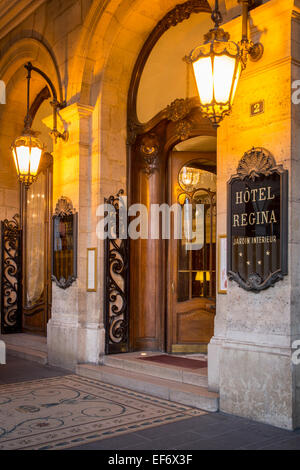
(250,355)
(94,46)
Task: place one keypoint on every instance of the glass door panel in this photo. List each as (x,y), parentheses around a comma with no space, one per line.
(192,267)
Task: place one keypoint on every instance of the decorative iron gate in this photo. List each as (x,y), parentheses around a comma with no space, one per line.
(116,260)
(11,276)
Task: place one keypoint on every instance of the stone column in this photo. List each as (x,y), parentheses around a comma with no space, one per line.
(250,356)
(75,334)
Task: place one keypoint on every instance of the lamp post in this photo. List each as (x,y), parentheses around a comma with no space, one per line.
(27,149)
(218,64)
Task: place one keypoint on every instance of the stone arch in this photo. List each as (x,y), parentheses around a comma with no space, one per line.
(18,51)
(30,49)
(112,38)
(115,25)
(110,63)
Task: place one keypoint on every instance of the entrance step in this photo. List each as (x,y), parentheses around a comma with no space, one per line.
(133,362)
(190,395)
(30,347)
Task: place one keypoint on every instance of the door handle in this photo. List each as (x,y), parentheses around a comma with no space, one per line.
(173,288)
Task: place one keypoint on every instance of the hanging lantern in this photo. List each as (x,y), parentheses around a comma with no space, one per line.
(27,149)
(218,64)
(217,68)
(27,152)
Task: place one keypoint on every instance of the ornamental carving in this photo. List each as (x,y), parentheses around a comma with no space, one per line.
(133,130)
(257,161)
(216,35)
(182,12)
(63,283)
(255,283)
(178,109)
(64,207)
(149,149)
(183,129)
(11,276)
(116,280)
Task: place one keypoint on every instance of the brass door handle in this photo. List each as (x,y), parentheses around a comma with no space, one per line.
(173,287)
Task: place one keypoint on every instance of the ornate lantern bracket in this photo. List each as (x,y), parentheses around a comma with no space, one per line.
(57,105)
(218,64)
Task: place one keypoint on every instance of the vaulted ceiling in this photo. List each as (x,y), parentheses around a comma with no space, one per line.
(13,12)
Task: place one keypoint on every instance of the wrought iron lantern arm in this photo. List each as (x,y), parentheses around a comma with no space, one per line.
(56,104)
(254,50)
(218,64)
(217,15)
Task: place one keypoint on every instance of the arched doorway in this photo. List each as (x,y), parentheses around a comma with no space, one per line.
(161,320)
(154,320)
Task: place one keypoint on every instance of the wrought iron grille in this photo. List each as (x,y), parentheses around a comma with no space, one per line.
(11,276)
(116,259)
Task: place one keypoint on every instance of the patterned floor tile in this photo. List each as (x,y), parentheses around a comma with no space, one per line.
(68,411)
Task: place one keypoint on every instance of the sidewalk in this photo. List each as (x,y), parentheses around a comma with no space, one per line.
(215,431)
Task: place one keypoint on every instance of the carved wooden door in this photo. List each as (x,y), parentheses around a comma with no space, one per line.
(192,266)
(37,216)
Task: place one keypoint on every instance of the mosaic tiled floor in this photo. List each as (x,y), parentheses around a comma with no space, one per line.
(68,411)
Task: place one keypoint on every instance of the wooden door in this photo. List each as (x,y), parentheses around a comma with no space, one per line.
(36,218)
(191,289)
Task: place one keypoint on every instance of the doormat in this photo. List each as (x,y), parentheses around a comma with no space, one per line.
(65,412)
(183,362)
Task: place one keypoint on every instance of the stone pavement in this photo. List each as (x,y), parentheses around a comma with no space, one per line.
(215,431)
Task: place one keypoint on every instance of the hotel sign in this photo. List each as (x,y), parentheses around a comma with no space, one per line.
(257,222)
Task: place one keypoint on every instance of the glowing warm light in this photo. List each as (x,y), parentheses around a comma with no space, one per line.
(190,176)
(224,68)
(217,66)
(203,276)
(27,152)
(204,78)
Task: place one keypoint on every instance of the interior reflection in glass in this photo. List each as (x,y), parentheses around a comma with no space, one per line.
(191,177)
(197,268)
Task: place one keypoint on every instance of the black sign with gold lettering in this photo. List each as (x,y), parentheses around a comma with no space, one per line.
(258,222)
